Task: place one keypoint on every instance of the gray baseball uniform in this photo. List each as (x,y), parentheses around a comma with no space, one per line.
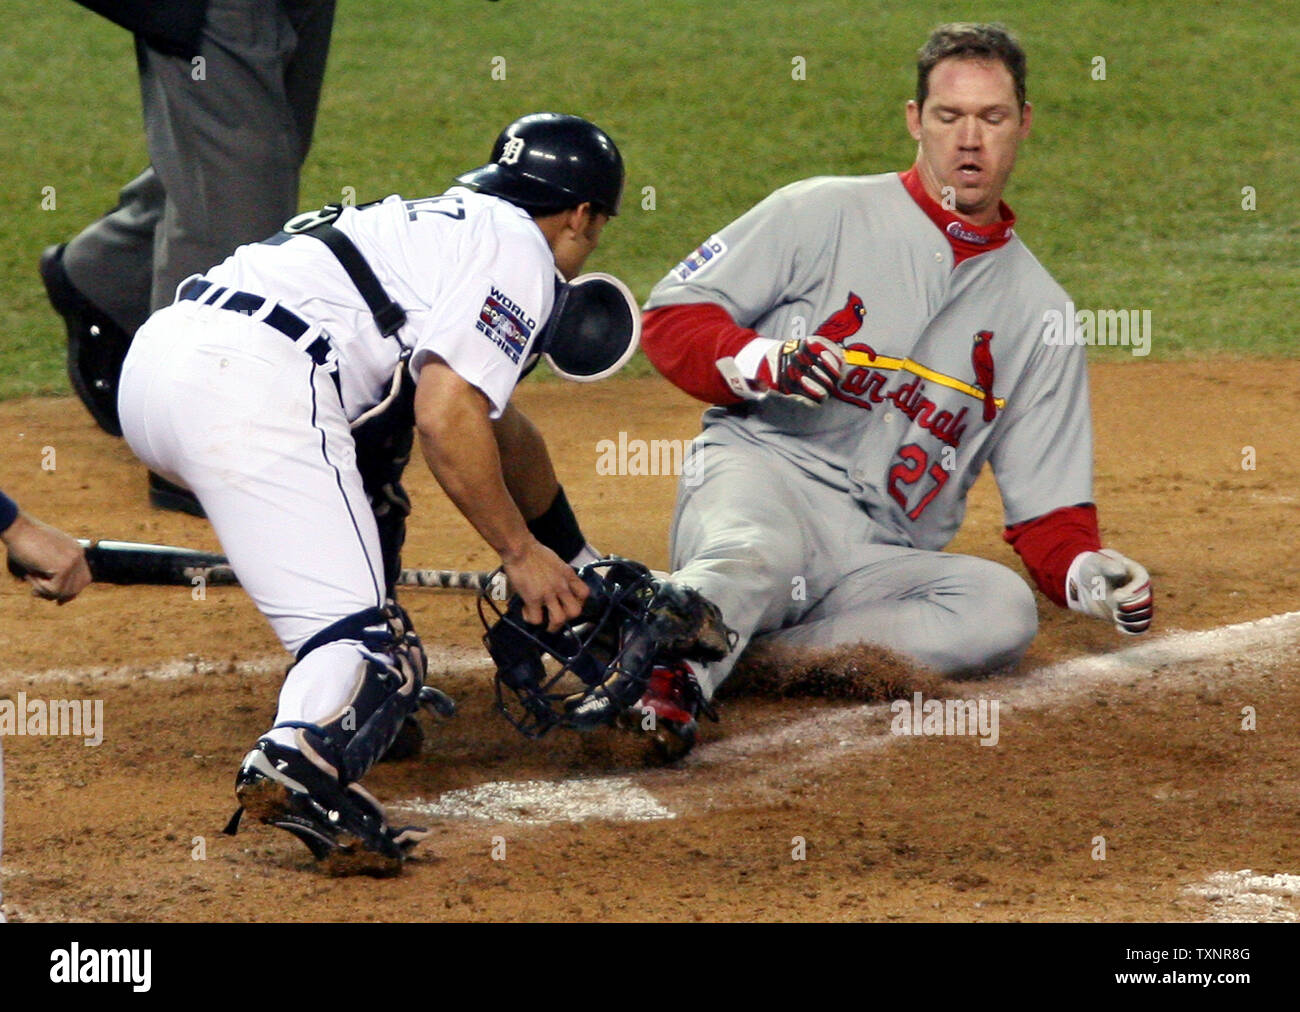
(822,525)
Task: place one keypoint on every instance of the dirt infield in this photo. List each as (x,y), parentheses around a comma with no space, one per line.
(1124,795)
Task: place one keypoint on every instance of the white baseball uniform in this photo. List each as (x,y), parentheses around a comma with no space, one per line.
(217,395)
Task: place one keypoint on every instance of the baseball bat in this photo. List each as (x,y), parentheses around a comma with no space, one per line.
(128,563)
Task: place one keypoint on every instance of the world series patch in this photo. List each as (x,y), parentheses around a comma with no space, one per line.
(708,251)
(505,323)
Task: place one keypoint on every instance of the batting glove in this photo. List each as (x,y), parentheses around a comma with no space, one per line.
(807,369)
(1107,585)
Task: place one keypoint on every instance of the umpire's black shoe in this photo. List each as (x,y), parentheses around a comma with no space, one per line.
(96,344)
(166,495)
(344,827)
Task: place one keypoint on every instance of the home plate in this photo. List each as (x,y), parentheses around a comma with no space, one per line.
(1245,896)
(539,802)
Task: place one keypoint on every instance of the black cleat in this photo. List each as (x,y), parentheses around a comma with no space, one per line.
(343,827)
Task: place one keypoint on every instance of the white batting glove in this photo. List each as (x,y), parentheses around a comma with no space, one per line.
(1107,585)
(807,369)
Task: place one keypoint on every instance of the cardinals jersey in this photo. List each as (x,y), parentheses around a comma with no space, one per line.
(473,272)
(946,366)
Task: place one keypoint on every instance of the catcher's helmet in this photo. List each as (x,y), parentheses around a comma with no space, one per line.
(595,667)
(550,161)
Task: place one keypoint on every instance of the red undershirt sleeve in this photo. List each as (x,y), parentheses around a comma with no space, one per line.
(1048,544)
(685,342)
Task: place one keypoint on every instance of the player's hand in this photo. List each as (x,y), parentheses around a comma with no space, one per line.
(1107,585)
(55,563)
(806,369)
(552,591)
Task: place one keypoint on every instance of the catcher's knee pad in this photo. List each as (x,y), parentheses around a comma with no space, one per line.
(391,667)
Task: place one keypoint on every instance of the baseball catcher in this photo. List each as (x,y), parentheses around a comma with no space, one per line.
(288,386)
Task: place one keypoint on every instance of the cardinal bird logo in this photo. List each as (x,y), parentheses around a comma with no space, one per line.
(846,322)
(981,357)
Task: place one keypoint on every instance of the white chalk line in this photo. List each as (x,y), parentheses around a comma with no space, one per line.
(829,736)
(1263,641)
(1236,896)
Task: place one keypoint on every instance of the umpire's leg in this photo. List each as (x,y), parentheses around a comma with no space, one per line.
(227,137)
(224,134)
(111,261)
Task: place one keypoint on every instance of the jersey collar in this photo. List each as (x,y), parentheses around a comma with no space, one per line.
(967,240)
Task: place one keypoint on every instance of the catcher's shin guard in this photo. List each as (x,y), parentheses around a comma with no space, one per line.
(311,790)
(390,687)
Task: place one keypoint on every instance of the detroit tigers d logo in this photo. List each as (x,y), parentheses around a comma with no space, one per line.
(511,152)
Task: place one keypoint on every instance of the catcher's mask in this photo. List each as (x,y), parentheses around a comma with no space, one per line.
(590,670)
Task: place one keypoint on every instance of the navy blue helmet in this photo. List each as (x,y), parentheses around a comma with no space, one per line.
(548,161)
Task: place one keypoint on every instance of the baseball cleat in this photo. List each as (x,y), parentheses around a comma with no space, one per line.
(668,710)
(343,827)
(96,343)
(166,495)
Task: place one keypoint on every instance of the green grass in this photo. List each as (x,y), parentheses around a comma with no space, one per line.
(1129,189)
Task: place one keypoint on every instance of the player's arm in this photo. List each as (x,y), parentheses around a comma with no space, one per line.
(54,561)
(702,350)
(457,437)
(1042,461)
(686,343)
(1048,544)
(1063,553)
(696,328)
(530,478)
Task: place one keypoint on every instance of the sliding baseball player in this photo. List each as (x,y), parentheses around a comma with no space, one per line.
(870,344)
